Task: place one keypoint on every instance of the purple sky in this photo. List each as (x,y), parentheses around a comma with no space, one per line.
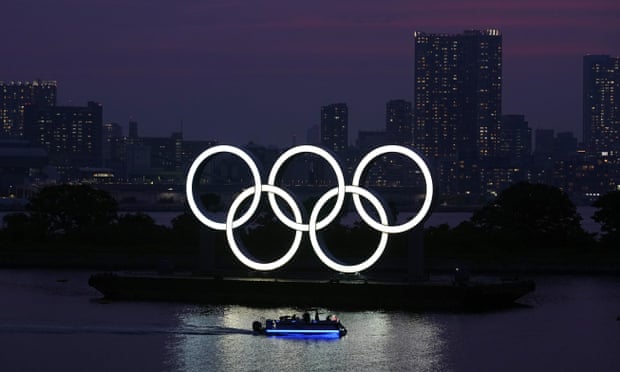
(237,71)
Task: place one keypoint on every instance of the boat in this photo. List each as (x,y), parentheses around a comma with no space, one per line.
(305,326)
(335,294)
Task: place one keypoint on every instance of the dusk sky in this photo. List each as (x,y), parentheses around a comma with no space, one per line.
(239,71)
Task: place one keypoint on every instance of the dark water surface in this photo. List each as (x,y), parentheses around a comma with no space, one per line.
(53,321)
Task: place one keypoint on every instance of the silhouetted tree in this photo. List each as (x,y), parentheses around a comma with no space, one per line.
(17,228)
(532,215)
(608,215)
(64,209)
(139,229)
(186,229)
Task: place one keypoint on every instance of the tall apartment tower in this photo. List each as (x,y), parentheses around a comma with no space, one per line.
(601,103)
(335,127)
(457,103)
(398,122)
(15,97)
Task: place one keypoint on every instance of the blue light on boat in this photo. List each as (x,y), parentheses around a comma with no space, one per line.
(302,335)
(292,326)
(304,331)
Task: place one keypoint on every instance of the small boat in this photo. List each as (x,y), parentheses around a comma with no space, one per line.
(304,326)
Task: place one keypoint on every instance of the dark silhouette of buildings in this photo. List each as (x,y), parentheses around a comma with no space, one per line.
(457,106)
(71,135)
(455,121)
(335,127)
(398,122)
(15,97)
(20,164)
(516,140)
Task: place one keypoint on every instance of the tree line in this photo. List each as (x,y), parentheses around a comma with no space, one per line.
(525,219)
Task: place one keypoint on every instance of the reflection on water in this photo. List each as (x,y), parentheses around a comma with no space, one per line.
(376,341)
(52,320)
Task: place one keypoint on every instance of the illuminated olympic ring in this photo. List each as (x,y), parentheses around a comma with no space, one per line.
(313,225)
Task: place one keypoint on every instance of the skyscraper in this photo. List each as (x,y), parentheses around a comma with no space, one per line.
(335,127)
(601,104)
(15,97)
(398,122)
(457,108)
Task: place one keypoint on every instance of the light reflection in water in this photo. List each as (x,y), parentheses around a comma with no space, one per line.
(376,341)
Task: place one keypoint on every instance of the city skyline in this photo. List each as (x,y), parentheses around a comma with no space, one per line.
(236,72)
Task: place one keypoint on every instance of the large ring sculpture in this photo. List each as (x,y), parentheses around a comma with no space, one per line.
(313,224)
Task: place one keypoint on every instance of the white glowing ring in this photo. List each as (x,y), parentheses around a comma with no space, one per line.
(428,198)
(243,256)
(313,226)
(316,245)
(339,178)
(189,191)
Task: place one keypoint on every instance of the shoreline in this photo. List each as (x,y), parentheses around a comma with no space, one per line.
(163,263)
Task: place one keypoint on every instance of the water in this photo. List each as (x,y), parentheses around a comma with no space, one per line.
(52,320)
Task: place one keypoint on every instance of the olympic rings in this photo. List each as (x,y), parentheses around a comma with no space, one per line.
(313,225)
(243,256)
(189,185)
(330,261)
(426,206)
(339,177)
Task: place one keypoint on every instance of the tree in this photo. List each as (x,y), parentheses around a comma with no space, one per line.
(66,209)
(211,202)
(532,215)
(18,228)
(138,230)
(608,215)
(186,230)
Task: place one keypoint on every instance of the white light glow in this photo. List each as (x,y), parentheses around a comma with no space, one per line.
(316,245)
(189,185)
(313,225)
(428,199)
(241,254)
(322,153)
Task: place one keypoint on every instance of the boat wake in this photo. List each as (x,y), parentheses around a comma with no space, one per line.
(106,329)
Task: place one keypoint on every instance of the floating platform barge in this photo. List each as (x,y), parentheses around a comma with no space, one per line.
(335,294)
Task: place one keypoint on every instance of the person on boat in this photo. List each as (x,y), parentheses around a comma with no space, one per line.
(306,317)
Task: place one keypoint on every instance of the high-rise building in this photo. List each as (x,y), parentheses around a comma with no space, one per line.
(398,122)
(335,127)
(516,139)
(15,97)
(601,104)
(71,135)
(457,106)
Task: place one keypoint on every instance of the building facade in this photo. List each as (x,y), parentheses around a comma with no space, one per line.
(601,105)
(516,140)
(457,105)
(335,127)
(15,97)
(398,122)
(71,135)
